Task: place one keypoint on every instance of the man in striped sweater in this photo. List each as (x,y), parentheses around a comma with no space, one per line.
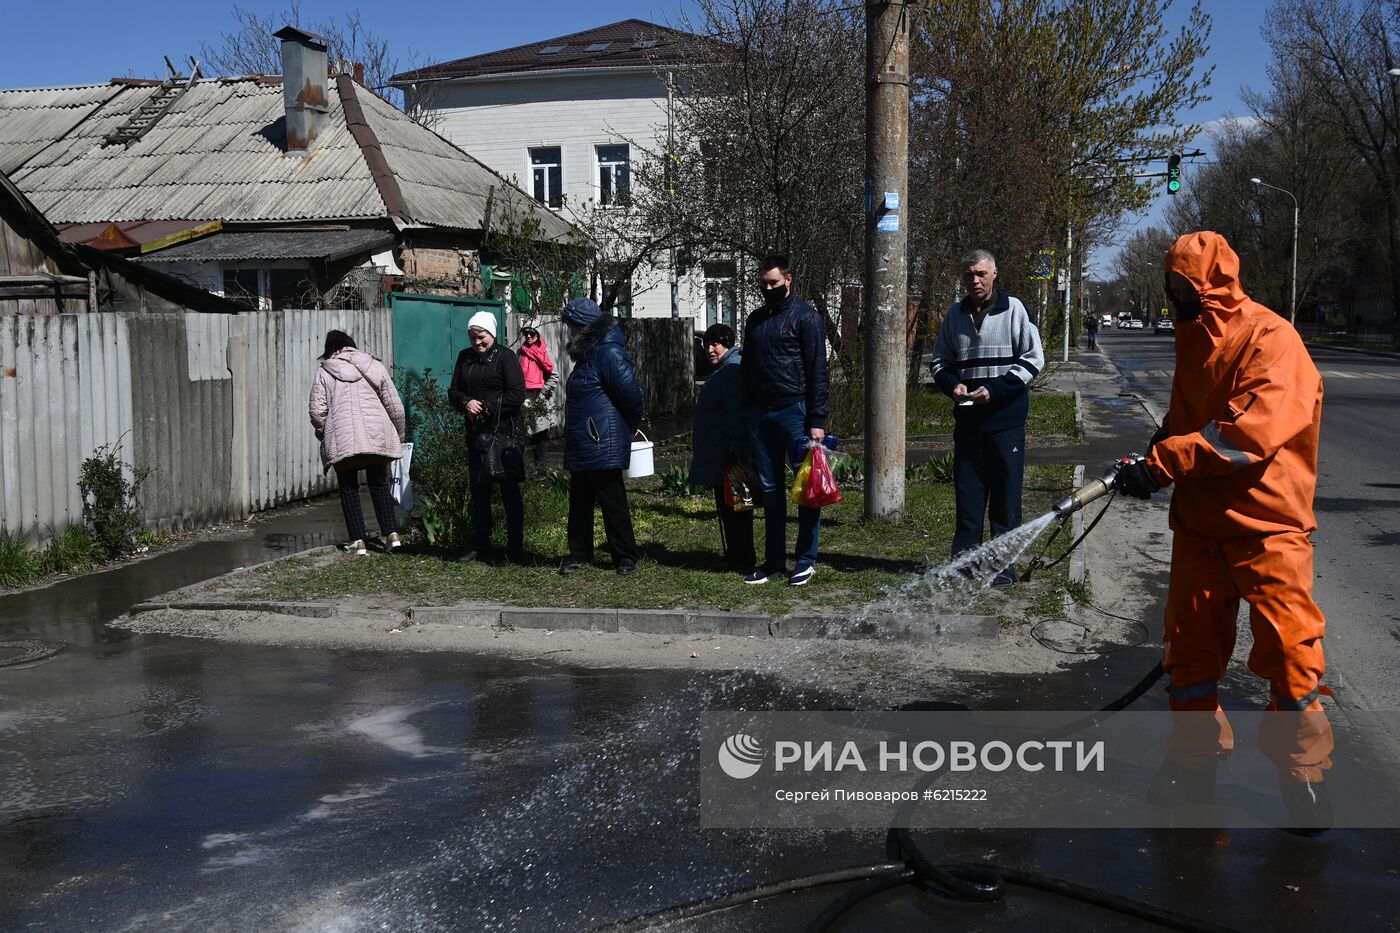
(986,355)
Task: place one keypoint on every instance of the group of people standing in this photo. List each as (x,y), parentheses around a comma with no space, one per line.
(756,407)
(358,417)
(758,411)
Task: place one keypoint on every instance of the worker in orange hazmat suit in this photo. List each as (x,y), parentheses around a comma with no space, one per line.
(1239,442)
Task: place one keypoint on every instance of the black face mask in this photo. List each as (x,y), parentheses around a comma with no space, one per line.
(1187,310)
(774,295)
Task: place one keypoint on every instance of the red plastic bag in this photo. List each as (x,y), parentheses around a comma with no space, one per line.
(821,484)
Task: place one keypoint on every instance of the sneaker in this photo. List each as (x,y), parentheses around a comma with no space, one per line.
(569,566)
(1006,578)
(393,542)
(356,547)
(759,576)
(802,575)
(626,568)
(469,557)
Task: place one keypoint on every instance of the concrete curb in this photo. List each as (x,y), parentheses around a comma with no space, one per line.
(1150,408)
(1078,419)
(900,627)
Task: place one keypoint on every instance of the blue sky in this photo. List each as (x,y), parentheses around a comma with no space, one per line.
(85,41)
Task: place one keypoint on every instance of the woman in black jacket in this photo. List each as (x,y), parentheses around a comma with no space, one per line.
(489,388)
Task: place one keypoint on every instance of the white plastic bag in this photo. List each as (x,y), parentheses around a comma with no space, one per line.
(401,486)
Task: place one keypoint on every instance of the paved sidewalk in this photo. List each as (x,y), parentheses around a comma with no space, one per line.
(1125,558)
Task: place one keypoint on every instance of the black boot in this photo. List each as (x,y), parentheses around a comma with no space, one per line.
(1174,785)
(1309,804)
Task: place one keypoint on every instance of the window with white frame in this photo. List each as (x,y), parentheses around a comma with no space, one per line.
(614,174)
(547,175)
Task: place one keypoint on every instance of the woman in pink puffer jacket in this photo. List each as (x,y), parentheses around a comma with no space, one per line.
(359,421)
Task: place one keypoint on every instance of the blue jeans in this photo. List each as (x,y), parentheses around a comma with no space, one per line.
(773,433)
(481,506)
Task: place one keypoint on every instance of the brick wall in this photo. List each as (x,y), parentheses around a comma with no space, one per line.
(437,271)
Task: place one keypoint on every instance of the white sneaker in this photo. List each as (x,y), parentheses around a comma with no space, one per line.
(803,576)
(393,543)
(356,547)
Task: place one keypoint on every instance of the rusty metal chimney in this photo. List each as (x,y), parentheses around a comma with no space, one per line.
(303,88)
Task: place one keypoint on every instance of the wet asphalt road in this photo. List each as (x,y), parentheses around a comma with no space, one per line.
(155,783)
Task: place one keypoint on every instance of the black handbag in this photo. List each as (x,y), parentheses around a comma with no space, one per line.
(502,455)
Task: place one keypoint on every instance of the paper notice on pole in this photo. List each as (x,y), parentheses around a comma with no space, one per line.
(889,223)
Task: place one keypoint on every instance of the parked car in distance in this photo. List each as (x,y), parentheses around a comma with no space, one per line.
(1106,320)
(1164,326)
(1131,323)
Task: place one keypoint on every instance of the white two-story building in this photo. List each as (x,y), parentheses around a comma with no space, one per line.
(567,117)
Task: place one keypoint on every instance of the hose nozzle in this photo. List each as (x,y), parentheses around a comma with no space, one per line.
(1094,489)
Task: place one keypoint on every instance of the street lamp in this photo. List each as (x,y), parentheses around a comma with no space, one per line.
(1293,296)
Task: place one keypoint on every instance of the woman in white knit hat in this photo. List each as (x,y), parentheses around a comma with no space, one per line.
(489,388)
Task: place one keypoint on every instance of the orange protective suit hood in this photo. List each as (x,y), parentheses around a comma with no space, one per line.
(1213,269)
(1242,429)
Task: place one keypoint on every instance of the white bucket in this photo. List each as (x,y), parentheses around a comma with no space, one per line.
(642,462)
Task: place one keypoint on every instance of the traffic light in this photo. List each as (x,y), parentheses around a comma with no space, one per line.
(1173,173)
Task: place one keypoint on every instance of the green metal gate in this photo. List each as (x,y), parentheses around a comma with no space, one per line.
(429,332)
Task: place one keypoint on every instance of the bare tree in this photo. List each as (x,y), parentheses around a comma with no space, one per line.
(1141,269)
(768,150)
(1027,115)
(250,48)
(1344,48)
(1288,141)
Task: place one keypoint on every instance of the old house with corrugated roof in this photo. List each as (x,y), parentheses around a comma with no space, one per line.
(41,274)
(303,191)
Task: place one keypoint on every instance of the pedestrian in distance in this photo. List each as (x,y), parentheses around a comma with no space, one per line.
(1240,442)
(1091,327)
(540,382)
(359,420)
(786,396)
(985,357)
(489,389)
(720,443)
(602,411)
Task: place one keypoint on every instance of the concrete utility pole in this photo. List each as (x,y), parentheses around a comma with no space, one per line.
(670,151)
(886,260)
(1069,286)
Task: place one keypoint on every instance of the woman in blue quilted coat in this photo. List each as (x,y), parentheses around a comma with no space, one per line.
(602,410)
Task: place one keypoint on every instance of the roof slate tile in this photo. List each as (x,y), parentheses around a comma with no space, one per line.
(218,154)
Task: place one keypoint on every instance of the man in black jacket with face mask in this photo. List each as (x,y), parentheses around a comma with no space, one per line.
(786,396)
